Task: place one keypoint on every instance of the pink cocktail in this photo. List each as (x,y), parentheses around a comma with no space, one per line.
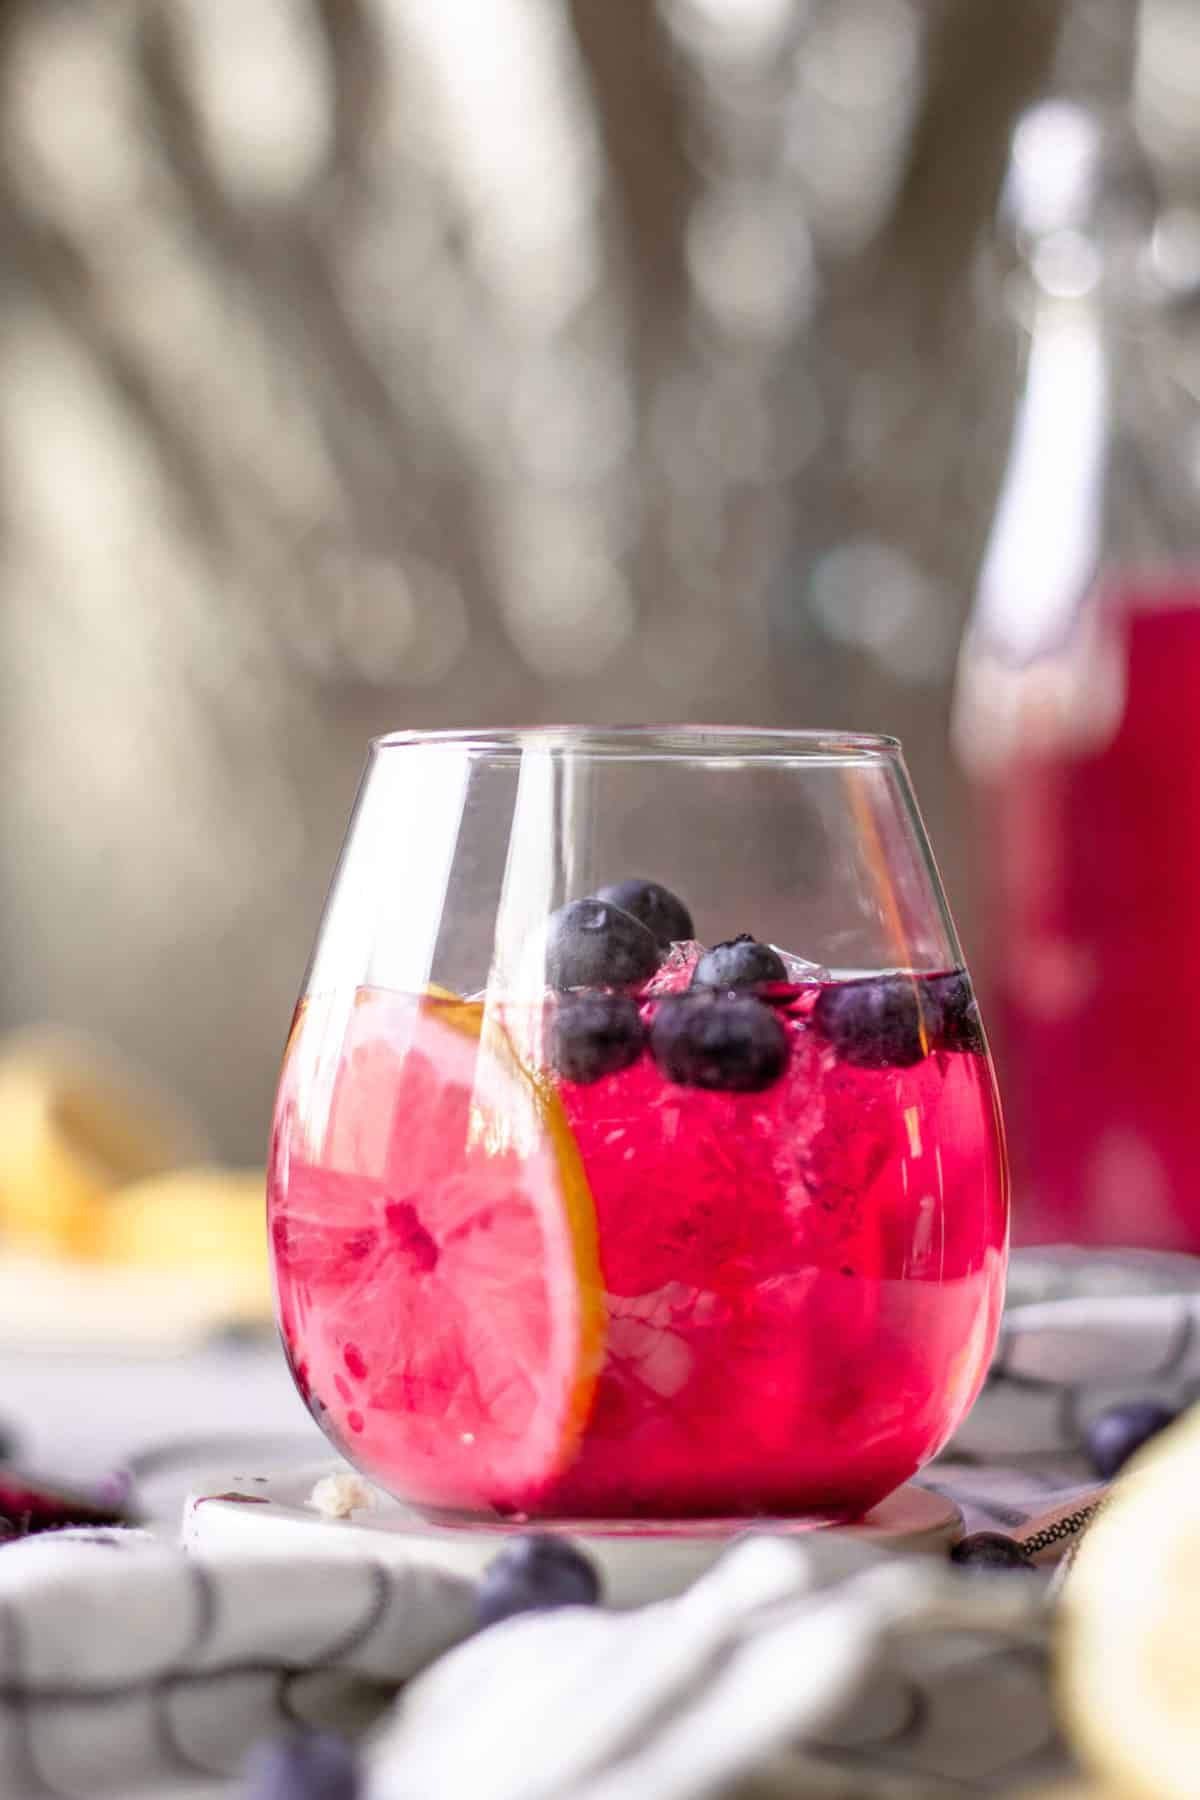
(503,1290)
(582,1209)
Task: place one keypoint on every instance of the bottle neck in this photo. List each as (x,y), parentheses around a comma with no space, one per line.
(1044,548)
(1098,510)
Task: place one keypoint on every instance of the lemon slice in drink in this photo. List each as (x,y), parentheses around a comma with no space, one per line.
(435,1253)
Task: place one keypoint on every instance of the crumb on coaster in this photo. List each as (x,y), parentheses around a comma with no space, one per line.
(337,1496)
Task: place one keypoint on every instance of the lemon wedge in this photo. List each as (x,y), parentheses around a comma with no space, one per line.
(204,1224)
(76,1123)
(1129,1654)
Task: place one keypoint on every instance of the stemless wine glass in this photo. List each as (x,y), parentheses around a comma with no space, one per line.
(637,1152)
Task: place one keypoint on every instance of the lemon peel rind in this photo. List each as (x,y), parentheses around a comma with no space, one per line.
(474,1019)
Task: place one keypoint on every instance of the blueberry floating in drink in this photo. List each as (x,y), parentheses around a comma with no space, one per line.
(740,962)
(536,1574)
(731,1043)
(592,943)
(881,1022)
(960,1028)
(655,906)
(593,1035)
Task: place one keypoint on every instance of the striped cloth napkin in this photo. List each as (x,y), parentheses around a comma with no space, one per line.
(812,1668)
(1082,1331)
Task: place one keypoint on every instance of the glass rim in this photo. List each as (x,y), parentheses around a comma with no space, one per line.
(744,742)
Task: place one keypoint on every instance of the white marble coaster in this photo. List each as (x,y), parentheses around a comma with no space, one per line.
(641,1561)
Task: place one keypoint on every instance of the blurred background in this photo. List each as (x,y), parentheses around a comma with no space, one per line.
(376,363)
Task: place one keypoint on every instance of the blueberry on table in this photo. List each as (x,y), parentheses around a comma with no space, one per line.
(726,1042)
(594,1035)
(591,943)
(535,1574)
(29,1505)
(961,1028)
(657,908)
(304,1765)
(990,1550)
(737,963)
(1117,1433)
(880,1022)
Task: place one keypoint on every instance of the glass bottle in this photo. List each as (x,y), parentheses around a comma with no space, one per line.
(1078,702)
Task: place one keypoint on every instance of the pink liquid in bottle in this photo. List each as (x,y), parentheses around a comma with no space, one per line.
(1094,944)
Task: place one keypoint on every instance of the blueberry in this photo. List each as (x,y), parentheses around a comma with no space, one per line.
(31,1506)
(594,1035)
(961,1028)
(738,962)
(1115,1434)
(729,1042)
(658,909)
(535,1574)
(990,1550)
(591,943)
(877,1023)
(304,1765)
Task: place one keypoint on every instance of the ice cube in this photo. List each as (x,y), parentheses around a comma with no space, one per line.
(674,973)
(799,969)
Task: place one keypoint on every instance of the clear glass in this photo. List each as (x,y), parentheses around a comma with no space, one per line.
(570,1223)
(1077,701)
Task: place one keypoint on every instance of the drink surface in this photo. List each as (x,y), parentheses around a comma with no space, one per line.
(1093,867)
(506,1291)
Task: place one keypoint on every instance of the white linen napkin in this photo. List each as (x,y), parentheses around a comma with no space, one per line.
(817,1670)
(124,1661)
